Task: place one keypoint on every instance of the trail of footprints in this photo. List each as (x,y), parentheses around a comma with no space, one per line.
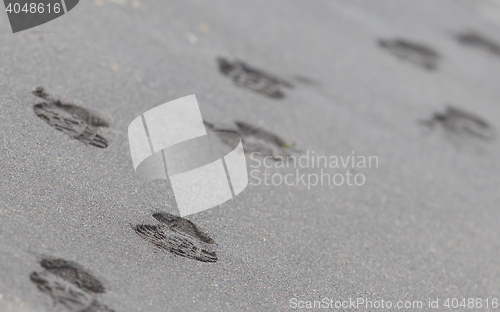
(74,289)
(453,120)
(70,286)
(72,120)
(427,57)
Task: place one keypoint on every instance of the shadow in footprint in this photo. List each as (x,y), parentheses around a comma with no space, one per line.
(474,39)
(416,53)
(461,123)
(178,236)
(69,285)
(70,119)
(253,79)
(255,140)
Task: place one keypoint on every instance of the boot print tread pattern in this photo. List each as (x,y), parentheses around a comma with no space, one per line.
(72,120)
(178,236)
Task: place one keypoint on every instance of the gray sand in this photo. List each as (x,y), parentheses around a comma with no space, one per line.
(424,225)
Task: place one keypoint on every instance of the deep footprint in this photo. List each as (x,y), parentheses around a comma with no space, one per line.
(253,79)
(459,122)
(416,53)
(178,236)
(70,119)
(474,39)
(256,140)
(69,285)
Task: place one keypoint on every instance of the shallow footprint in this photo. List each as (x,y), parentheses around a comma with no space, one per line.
(459,122)
(253,79)
(416,53)
(474,39)
(69,286)
(178,236)
(73,273)
(70,119)
(256,140)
